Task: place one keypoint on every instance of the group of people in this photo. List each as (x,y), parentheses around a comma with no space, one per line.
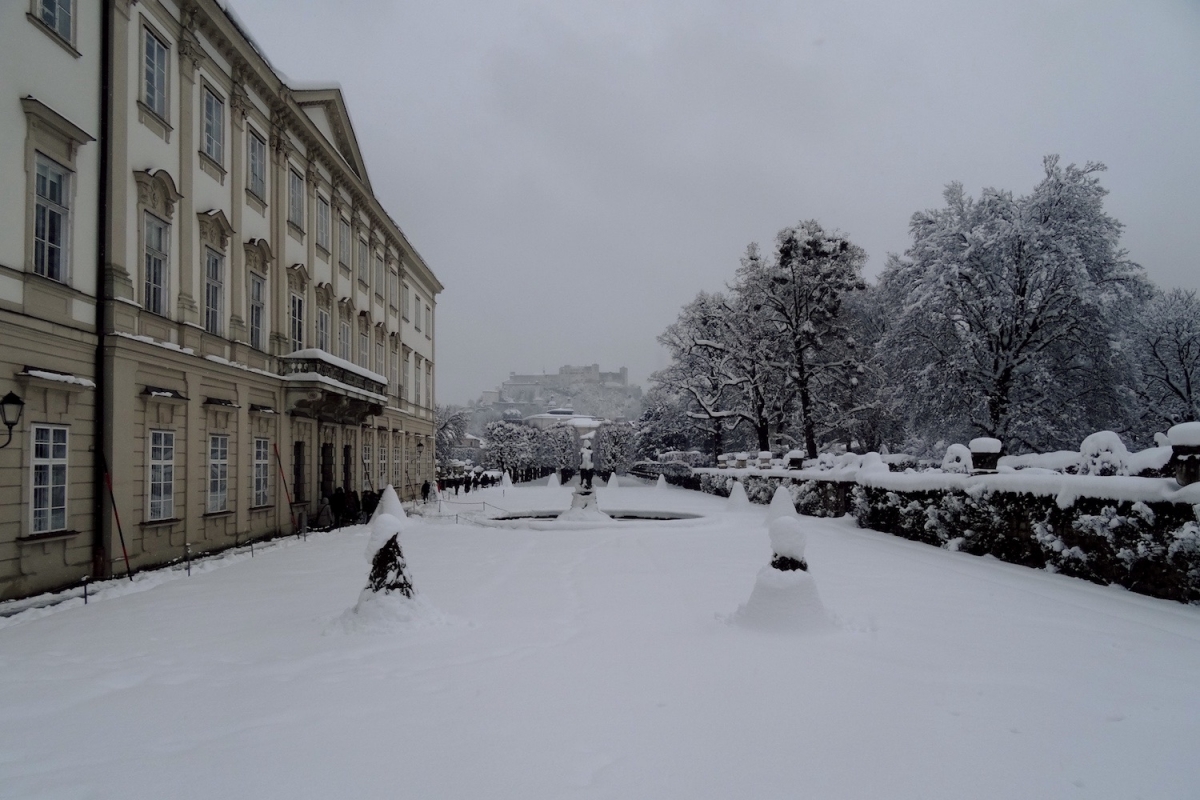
(466,483)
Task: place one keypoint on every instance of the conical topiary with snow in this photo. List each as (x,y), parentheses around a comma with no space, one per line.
(661,483)
(553,482)
(782,504)
(612,481)
(738,501)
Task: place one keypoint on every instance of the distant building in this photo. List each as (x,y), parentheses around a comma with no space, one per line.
(585,390)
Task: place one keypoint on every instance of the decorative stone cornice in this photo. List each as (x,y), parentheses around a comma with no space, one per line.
(215,229)
(157,191)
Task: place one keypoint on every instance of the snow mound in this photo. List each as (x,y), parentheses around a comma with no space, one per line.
(781,505)
(872,463)
(553,482)
(583,509)
(612,481)
(1186,434)
(787,538)
(662,482)
(506,481)
(387,613)
(784,602)
(957,459)
(738,501)
(1103,453)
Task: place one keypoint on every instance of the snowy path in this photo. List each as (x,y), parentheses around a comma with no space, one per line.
(595,664)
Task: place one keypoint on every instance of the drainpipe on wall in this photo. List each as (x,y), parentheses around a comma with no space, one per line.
(100,403)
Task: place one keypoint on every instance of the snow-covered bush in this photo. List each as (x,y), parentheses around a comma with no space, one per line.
(957,459)
(1103,453)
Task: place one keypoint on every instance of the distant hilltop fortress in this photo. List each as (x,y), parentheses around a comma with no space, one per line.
(586,390)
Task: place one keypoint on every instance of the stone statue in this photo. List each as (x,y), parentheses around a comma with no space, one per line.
(586,470)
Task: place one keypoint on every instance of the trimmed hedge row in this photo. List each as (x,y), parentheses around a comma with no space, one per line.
(1151,548)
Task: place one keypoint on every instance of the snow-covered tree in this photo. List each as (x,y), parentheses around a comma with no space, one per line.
(1005,313)
(562,447)
(1166,352)
(509,446)
(450,425)
(797,296)
(614,446)
(664,424)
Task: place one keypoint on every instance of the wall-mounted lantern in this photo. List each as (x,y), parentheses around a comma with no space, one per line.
(11,407)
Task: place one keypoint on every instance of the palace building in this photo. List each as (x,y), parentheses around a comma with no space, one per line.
(198,289)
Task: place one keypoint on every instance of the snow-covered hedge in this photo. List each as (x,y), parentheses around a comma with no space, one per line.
(1093,519)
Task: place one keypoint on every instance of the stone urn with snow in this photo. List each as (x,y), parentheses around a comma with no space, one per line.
(985,455)
(1185,452)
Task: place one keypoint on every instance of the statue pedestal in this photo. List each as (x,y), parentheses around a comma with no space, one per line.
(583,508)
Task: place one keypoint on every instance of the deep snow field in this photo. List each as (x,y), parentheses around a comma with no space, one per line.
(601,662)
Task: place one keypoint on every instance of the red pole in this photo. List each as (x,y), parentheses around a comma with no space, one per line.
(283,480)
(113,498)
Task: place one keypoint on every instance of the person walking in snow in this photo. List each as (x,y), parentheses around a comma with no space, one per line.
(425,492)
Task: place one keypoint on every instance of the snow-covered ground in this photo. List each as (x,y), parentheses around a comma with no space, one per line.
(602,663)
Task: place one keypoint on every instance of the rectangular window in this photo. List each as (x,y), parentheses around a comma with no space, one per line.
(258,165)
(393,282)
(379,275)
(262,472)
(296,198)
(297,322)
(154,91)
(428,323)
(417,383)
(214,127)
(214,290)
(258,309)
(407,378)
(404,301)
(364,258)
(379,357)
(428,385)
(416,315)
(49,478)
(51,220)
(344,341)
(157,243)
(344,242)
(218,473)
(323,329)
(396,466)
(57,16)
(162,475)
(322,222)
(364,349)
(382,465)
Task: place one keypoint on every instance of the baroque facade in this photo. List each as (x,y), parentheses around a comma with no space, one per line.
(238,326)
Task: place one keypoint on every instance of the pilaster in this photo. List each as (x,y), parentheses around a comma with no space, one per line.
(190,56)
(237,186)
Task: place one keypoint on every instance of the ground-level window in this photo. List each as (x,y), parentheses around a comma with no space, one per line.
(396,466)
(218,473)
(262,472)
(162,475)
(49,478)
(366,459)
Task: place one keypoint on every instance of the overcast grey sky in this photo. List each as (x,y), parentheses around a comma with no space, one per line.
(576,171)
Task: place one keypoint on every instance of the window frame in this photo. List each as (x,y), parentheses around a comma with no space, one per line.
(323,321)
(54,25)
(323,217)
(295,198)
(149,220)
(159,103)
(217,496)
(54,479)
(345,340)
(213,125)
(165,481)
(345,235)
(258,311)
(44,206)
(214,291)
(296,321)
(256,182)
(262,472)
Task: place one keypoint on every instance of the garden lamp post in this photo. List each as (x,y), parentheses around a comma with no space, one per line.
(11,407)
